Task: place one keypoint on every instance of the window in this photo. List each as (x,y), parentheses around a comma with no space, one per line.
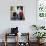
(41,8)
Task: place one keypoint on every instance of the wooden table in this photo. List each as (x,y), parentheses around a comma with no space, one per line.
(8,34)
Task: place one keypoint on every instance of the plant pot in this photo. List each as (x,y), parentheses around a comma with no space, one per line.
(38,42)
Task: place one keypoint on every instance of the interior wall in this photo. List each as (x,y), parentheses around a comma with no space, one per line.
(29,13)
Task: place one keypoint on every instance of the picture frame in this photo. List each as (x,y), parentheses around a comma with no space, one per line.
(17,13)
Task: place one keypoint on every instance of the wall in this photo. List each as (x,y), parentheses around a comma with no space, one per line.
(24,26)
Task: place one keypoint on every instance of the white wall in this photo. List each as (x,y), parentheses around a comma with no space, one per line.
(29,12)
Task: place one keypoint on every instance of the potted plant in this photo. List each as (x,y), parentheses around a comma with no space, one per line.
(42,27)
(38,27)
(39,36)
(35,26)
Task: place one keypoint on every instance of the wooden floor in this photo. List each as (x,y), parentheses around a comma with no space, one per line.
(13,44)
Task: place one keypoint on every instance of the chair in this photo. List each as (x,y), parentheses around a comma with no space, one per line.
(14,32)
(25,43)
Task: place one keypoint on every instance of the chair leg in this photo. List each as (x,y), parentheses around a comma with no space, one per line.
(17,39)
(5,40)
(5,43)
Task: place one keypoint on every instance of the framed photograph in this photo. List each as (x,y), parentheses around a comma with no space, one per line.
(17,13)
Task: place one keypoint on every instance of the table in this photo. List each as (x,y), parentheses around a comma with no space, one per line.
(9,34)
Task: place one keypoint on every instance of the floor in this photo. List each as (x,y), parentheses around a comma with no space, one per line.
(13,44)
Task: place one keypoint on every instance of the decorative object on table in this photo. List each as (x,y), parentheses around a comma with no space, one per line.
(17,13)
(14,30)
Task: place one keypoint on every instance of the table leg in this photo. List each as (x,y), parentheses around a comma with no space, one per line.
(5,40)
(17,39)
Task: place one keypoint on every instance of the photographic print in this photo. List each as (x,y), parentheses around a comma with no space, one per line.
(17,13)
